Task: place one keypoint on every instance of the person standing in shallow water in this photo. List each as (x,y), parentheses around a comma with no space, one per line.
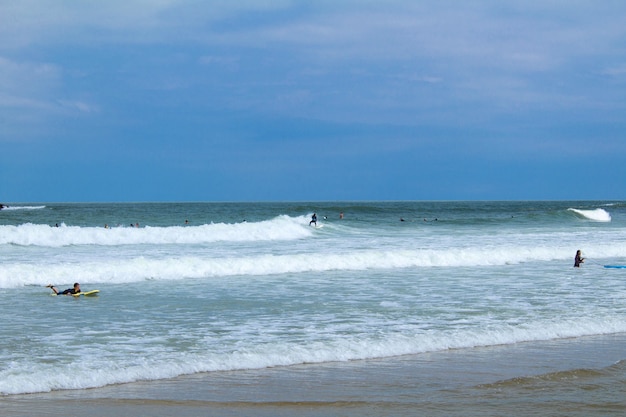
(578,259)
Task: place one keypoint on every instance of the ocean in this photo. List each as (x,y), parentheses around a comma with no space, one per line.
(383,308)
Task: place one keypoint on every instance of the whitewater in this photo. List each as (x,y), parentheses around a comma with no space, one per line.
(200,287)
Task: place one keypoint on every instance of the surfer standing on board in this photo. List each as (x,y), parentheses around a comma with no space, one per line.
(578,259)
(75,290)
(313,219)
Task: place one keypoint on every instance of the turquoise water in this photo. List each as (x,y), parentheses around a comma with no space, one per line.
(251,285)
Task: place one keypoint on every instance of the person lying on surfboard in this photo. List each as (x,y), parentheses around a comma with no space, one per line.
(69,291)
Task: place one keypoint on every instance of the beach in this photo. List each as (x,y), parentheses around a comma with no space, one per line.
(571,377)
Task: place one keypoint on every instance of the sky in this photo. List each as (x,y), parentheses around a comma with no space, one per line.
(259,100)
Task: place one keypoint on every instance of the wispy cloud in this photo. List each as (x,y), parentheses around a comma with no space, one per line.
(27,83)
(615,71)
(80,106)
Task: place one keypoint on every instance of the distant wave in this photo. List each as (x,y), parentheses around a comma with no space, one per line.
(598,215)
(10,208)
(279,228)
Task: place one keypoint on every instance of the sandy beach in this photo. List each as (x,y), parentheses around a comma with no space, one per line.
(582,376)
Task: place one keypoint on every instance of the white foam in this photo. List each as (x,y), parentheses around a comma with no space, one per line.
(279,228)
(10,208)
(137,269)
(598,215)
(100,370)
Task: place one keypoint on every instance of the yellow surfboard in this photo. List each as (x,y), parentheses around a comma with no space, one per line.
(87,293)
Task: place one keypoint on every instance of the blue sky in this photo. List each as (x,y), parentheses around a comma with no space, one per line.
(164,100)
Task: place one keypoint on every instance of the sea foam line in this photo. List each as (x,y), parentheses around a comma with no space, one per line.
(13,275)
(598,215)
(101,370)
(279,228)
(11,208)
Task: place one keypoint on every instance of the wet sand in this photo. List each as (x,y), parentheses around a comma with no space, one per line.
(573,377)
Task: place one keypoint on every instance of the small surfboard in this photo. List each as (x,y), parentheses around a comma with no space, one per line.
(615,266)
(87,293)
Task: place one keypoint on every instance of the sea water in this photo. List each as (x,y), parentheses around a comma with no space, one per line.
(190,288)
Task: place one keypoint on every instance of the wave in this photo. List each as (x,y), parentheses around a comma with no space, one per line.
(598,215)
(12,208)
(138,269)
(97,370)
(280,228)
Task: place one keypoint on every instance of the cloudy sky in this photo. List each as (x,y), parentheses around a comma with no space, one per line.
(266,100)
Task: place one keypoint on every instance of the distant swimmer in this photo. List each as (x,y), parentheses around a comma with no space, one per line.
(313,219)
(341,215)
(69,291)
(578,259)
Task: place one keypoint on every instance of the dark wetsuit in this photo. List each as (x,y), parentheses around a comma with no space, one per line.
(578,260)
(69,291)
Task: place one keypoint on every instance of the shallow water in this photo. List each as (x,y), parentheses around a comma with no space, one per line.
(570,377)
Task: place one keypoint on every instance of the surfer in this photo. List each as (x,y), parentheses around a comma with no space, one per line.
(74,290)
(578,259)
(313,219)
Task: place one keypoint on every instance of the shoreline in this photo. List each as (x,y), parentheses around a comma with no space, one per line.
(486,381)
